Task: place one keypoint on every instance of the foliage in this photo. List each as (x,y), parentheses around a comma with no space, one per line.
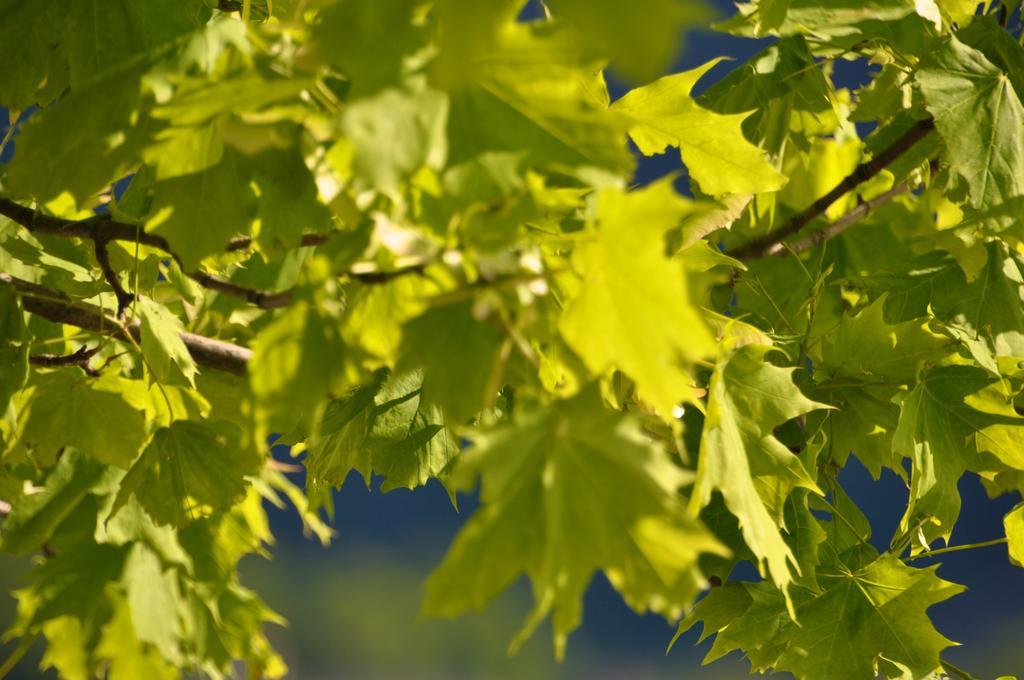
(402,238)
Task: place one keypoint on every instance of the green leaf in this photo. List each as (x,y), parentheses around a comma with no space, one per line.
(408,440)
(31,36)
(859,618)
(395,133)
(349,37)
(289,205)
(199,213)
(14,344)
(876,611)
(460,357)
(741,616)
(376,313)
(568,490)
(955,414)
(906,25)
(338,446)
(127,657)
(295,365)
(165,351)
(771,14)
(786,96)
(72,584)
(154,599)
(980,119)
(712,145)
(538,92)
(178,151)
(864,347)
(987,314)
(633,311)
(740,457)
(34,517)
(385,428)
(130,524)
(860,369)
(64,408)
(1013,524)
(641,38)
(188,470)
(103,35)
(103,148)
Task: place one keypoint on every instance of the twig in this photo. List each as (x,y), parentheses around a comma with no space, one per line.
(55,306)
(816,238)
(79,358)
(261,298)
(245,242)
(954,548)
(124,298)
(863,172)
(100,227)
(103,229)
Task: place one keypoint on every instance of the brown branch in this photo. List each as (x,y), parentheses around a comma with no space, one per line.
(816,238)
(245,242)
(261,298)
(55,306)
(124,298)
(78,358)
(759,247)
(99,227)
(103,229)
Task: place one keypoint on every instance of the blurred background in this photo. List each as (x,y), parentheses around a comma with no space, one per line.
(353,608)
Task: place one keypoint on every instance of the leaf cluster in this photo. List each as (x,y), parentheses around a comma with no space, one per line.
(402,238)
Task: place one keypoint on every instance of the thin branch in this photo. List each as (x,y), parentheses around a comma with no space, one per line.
(78,358)
(955,548)
(99,227)
(863,172)
(816,238)
(261,298)
(103,229)
(124,298)
(55,306)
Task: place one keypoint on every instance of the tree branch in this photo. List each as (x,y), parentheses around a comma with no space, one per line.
(102,229)
(760,247)
(261,298)
(124,298)
(57,307)
(79,358)
(816,238)
(245,242)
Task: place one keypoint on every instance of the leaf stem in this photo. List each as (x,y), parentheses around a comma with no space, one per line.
(955,548)
(10,132)
(18,654)
(849,525)
(953,669)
